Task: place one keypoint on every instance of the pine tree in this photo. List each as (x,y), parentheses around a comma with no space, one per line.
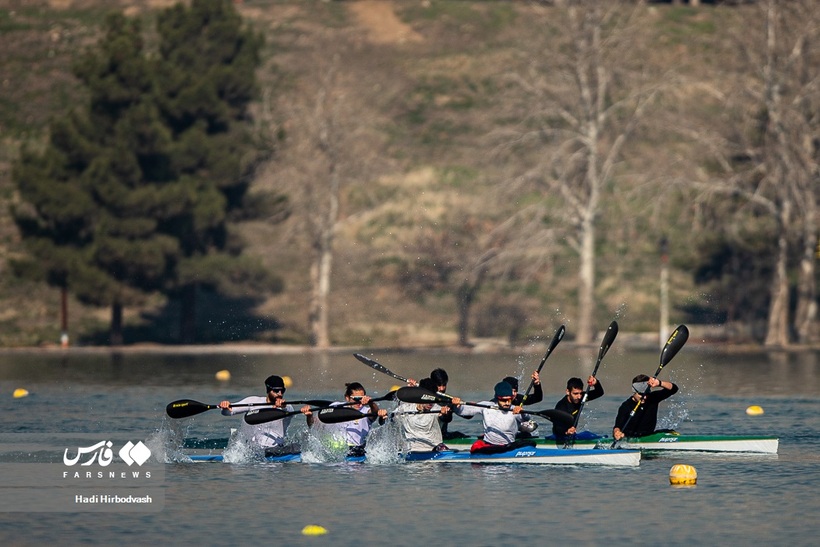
(91,211)
(207,67)
(137,191)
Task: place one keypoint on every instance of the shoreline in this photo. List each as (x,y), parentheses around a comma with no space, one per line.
(479,346)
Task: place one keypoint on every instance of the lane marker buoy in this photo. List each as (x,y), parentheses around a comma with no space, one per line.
(682,474)
(20,392)
(223,375)
(313,530)
(754,410)
(287,381)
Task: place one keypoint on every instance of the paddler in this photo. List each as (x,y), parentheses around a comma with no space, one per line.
(271,436)
(420,422)
(501,423)
(571,403)
(646,416)
(354,432)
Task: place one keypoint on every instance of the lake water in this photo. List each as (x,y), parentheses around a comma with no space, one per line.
(80,397)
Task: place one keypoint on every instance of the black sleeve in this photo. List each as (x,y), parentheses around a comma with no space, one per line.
(596,391)
(623,413)
(661,394)
(537,395)
(558,430)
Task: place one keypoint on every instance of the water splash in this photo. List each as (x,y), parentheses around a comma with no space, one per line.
(166,442)
(386,444)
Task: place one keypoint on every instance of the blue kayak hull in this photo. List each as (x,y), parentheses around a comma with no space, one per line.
(526,455)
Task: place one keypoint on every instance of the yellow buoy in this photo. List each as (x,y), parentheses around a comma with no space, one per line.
(223,375)
(287,381)
(313,530)
(20,392)
(754,410)
(682,474)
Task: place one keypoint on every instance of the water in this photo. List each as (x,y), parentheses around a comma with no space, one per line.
(747,499)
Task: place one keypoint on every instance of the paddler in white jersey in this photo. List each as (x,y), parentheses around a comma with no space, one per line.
(420,423)
(501,424)
(270,436)
(354,432)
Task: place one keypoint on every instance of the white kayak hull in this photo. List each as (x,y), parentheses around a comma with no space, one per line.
(661,442)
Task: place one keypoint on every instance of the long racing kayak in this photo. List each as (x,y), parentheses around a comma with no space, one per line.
(660,442)
(526,455)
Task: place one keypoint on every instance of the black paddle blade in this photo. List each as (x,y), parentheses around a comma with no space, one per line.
(673,345)
(559,335)
(186,407)
(419,396)
(265,415)
(338,414)
(378,366)
(555,416)
(609,338)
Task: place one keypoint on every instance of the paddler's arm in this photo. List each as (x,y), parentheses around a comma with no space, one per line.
(226,408)
(308,415)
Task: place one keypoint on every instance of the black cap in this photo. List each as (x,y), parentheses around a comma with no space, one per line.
(512,381)
(274,382)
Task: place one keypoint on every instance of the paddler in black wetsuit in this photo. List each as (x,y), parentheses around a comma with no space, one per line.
(571,403)
(646,417)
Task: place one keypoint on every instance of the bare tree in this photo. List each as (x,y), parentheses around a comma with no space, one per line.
(772,161)
(587,98)
(325,150)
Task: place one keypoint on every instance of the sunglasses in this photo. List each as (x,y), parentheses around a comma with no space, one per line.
(504,399)
(276,389)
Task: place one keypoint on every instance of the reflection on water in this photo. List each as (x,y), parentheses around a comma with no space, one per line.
(754,499)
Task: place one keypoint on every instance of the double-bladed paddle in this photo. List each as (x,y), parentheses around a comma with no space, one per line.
(185,408)
(339,414)
(265,415)
(673,345)
(378,366)
(609,337)
(559,335)
(421,396)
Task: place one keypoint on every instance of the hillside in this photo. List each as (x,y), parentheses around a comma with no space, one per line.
(427,98)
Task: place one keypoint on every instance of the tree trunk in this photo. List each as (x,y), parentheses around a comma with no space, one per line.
(322,267)
(805,320)
(320,280)
(116,324)
(465,296)
(586,283)
(187,314)
(777,333)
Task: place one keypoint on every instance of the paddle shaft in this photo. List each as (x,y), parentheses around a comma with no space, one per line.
(339,414)
(606,343)
(420,395)
(266,415)
(673,345)
(559,335)
(185,408)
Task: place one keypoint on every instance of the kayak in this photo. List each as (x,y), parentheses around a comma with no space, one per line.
(525,455)
(282,458)
(661,442)
(538,455)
